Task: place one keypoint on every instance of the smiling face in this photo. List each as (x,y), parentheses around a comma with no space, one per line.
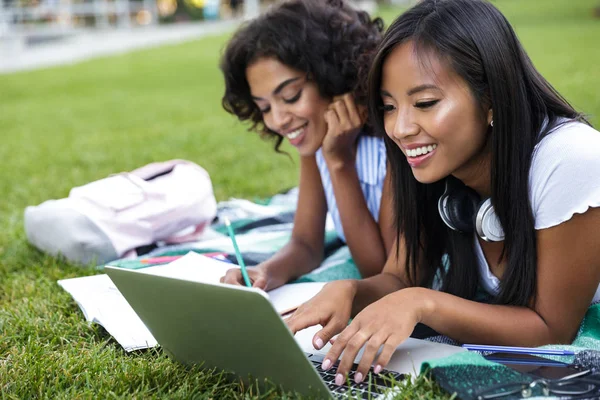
(291,105)
(430,113)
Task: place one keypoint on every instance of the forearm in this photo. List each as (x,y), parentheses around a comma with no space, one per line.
(292,261)
(468,321)
(362,232)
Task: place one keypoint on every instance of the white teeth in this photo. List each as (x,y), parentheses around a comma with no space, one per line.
(293,135)
(419,151)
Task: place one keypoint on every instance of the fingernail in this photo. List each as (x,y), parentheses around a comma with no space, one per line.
(326,364)
(339,379)
(377,369)
(358,378)
(319,343)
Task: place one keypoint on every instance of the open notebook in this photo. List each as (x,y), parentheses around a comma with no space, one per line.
(102,303)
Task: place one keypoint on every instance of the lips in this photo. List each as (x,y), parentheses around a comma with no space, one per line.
(420,154)
(296,136)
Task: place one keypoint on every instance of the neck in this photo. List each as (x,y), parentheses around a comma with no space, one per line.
(477,172)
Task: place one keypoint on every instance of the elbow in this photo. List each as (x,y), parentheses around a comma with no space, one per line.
(556,334)
(312,252)
(562,335)
(368,264)
(369,269)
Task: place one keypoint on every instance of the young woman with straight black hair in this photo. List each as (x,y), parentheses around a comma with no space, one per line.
(497,188)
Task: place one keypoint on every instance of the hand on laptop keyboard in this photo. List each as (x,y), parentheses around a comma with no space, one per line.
(372,387)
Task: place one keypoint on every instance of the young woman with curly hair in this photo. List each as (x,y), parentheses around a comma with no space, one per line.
(298,72)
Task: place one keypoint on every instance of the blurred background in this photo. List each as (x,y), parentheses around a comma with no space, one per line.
(93,87)
(26,25)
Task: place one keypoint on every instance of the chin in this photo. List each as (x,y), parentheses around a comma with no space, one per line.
(309,148)
(426,177)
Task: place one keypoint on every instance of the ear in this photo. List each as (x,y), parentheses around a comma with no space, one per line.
(490,116)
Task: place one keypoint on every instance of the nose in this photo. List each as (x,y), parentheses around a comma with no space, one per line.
(280,118)
(403,125)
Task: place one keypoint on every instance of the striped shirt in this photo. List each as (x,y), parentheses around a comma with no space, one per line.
(371,160)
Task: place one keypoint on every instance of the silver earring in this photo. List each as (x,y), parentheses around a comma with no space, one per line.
(492,123)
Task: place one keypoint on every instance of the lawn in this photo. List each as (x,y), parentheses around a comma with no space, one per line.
(63,127)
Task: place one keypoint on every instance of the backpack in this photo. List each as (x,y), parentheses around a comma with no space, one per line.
(117,216)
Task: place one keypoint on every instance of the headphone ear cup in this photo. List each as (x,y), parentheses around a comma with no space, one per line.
(462,209)
(457,208)
(443,210)
(487,224)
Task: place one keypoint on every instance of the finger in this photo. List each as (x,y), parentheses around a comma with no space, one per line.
(363,114)
(351,350)
(389,347)
(233,277)
(371,348)
(337,347)
(260,282)
(332,120)
(330,329)
(342,112)
(302,319)
(353,112)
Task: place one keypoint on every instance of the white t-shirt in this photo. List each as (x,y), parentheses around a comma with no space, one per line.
(564,180)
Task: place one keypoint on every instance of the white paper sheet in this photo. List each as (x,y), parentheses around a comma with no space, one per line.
(102,303)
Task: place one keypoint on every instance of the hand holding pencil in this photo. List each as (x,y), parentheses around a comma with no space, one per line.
(253,277)
(258,277)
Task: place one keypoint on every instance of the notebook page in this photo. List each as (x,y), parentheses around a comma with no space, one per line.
(191,267)
(293,295)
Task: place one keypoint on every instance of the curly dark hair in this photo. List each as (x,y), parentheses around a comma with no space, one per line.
(328,39)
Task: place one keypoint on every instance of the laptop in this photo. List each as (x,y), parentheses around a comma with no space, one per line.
(236,329)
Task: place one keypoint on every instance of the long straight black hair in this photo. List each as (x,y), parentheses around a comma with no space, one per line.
(476,41)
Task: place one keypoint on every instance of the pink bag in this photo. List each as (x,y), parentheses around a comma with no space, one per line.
(109,218)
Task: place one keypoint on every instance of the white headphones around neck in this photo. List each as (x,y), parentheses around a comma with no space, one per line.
(462,210)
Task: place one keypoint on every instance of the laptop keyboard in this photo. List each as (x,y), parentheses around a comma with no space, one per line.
(372,387)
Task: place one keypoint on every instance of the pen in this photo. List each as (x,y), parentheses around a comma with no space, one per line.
(238,255)
(519,350)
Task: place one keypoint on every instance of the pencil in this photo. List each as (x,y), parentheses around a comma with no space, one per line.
(238,255)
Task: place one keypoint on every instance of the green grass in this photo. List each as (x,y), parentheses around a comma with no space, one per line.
(66,126)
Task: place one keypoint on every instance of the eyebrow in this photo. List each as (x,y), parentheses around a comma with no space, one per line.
(417,89)
(421,88)
(279,87)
